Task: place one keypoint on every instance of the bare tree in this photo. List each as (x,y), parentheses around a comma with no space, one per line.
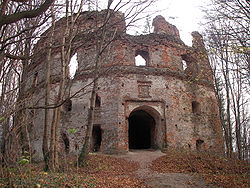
(16,43)
(227,30)
(8,17)
(29,22)
(102,42)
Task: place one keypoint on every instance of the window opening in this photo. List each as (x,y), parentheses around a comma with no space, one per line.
(195,107)
(186,60)
(97,101)
(184,65)
(73,65)
(141,58)
(140,61)
(96,138)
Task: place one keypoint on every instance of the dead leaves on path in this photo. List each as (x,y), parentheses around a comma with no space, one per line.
(216,170)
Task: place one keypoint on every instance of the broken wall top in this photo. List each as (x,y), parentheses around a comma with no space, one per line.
(161,26)
(90,27)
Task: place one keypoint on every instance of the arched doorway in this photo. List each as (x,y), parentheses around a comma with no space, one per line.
(141,130)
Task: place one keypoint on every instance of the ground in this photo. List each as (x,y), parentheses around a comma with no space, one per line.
(138,168)
(159,180)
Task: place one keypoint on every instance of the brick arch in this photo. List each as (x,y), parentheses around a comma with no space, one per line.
(155,124)
(149,109)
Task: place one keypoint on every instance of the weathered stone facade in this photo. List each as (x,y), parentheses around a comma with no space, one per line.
(160,105)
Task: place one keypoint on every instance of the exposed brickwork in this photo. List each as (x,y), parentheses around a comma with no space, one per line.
(162,89)
(161,26)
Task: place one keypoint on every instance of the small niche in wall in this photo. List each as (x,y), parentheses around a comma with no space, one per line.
(66,142)
(97,101)
(199,145)
(67,106)
(196,107)
(141,58)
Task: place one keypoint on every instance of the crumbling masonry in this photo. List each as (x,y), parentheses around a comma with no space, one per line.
(165,104)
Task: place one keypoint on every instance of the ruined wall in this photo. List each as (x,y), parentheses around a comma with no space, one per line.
(181,102)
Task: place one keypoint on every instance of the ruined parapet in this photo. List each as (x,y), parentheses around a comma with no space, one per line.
(161,26)
(197,41)
(88,26)
(95,20)
(200,54)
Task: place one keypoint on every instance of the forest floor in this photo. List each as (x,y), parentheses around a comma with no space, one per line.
(155,179)
(139,168)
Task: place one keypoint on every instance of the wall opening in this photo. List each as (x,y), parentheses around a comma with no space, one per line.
(141,130)
(67,106)
(196,107)
(96,138)
(140,61)
(73,65)
(66,142)
(184,65)
(189,65)
(141,58)
(97,101)
(199,145)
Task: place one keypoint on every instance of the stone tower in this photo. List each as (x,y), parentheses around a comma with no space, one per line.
(168,102)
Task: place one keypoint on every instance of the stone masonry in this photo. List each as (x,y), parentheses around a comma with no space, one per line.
(169,103)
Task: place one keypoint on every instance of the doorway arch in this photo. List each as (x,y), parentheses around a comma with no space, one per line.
(141,129)
(145,129)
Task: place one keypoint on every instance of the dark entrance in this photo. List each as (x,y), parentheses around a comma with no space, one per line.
(141,130)
(66,142)
(96,138)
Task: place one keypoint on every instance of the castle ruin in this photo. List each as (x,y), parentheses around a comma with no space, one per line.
(169,102)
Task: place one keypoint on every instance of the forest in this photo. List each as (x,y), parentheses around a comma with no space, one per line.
(25,23)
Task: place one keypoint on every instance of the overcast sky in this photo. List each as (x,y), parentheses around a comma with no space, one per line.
(184,14)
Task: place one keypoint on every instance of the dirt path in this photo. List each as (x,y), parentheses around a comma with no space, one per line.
(160,180)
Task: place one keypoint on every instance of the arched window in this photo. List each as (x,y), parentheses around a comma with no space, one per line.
(184,65)
(141,58)
(73,65)
(186,61)
(140,61)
